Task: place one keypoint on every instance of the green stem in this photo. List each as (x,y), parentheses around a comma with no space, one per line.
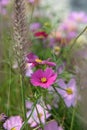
(77,38)
(72,121)
(9,93)
(23,97)
(25,122)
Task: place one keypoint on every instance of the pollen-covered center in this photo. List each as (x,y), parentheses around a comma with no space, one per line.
(13,128)
(38,60)
(44,79)
(40,115)
(69,91)
(56,48)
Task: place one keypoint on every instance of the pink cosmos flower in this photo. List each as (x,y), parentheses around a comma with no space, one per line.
(44,78)
(42,113)
(68,92)
(13,123)
(52,125)
(35,60)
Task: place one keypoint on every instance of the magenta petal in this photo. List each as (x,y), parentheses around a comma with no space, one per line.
(48,74)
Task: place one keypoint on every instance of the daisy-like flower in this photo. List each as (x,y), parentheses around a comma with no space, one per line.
(52,125)
(68,92)
(41,34)
(44,78)
(35,60)
(39,115)
(13,123)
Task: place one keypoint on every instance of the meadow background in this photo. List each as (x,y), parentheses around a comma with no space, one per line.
(67,47)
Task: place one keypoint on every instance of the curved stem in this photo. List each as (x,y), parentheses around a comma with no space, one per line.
(77,37)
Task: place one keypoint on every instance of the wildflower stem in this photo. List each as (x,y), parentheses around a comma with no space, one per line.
(9,91)
(25,122)
(72,121)
(23,97)
(77,38)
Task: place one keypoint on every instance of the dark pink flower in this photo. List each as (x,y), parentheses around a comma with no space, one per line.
(44,78)
(35,60)
(41,34)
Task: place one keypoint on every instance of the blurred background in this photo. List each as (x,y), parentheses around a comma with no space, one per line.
(57,11)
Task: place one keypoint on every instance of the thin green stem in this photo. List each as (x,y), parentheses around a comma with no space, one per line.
(23,97)
(77,38)
(39,118)
(73,116)
(25,122)
(9,93)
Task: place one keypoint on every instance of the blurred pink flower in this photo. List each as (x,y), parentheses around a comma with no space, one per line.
(40,113)
(13,123)
(78,17)
(28,69)
(4,2)
(68,92)
(31,1)
(52,125)
(35,26)
(44,78)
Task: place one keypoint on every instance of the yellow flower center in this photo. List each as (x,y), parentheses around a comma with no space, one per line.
(38,60)
(40,115)
(47,24)
(69,91)
(13,128)
(43,80)
(57,48)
